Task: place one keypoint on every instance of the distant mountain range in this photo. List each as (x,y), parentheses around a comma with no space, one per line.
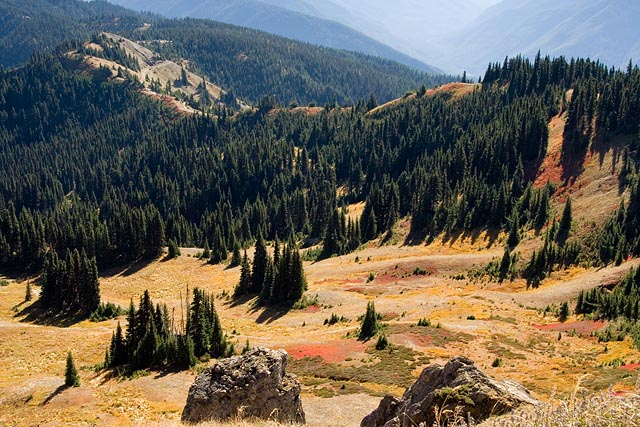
(600,29)
(458,35)
(286,19)
(453,35)
(246,63)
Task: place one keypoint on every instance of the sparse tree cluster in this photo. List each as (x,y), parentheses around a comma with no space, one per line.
(153,340)
(70,284)
(276,279)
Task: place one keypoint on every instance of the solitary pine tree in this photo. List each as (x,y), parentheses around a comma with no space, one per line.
(565,222)
(71,377)
(184,80)
(563,314)
(206,252)
(27,296)
(244,285)
(369,325)
(505,263)
(259,268)
(174,251)
(236,258)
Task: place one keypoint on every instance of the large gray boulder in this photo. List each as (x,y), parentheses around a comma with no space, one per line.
(458,389)
(253,385)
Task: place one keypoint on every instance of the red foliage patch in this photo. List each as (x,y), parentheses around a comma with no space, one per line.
(311,309)
(620,393)
(386,279)
(331,352)
(416,339)
(631,366)
(389,316)
(581,327)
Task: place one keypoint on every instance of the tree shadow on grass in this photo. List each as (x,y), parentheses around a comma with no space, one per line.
(239,300)
(415,238)
(127,269)
(38,315)
(271,314)
(54,394)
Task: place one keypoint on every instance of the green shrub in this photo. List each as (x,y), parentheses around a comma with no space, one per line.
(382,342)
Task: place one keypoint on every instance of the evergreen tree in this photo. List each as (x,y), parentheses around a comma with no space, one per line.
(505,263)
(236,258)
(118,349)
(186,357)
(382,342)
(206,252)
(259,266)
(563,313)
(565,222)
(174,250)
(28,296)
(369,326)
(71,377)
(514,238)
(244,285)
(372,102)
(183,77)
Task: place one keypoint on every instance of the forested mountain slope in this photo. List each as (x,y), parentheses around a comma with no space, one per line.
(278,19)
(254,64)
(35,25)
(98,167)
(249,63)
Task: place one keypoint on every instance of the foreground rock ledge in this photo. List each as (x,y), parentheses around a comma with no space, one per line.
(458,387)
(253,385)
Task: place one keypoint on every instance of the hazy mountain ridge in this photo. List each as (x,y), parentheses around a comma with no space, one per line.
(457,35)
(599,29)
(251,63)
(281,21)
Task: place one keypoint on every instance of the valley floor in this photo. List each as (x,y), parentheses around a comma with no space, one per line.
(343,378)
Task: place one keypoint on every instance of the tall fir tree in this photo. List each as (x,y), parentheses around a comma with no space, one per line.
(71,377)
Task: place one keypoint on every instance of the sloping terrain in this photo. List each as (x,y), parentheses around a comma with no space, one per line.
(37,25)
(482,321)
(251,63)
(275,19)
(156,74)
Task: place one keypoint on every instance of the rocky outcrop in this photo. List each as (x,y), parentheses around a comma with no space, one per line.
(252,385)
(457,388)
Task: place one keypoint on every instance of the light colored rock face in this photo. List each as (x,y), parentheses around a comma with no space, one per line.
(458,384)
(252,385)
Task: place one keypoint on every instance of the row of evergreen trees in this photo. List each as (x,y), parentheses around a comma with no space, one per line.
(118,182)
(70,284)
(153,340)
(623,301)
(277,279)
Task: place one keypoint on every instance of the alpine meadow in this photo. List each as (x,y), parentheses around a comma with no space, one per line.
(179,195)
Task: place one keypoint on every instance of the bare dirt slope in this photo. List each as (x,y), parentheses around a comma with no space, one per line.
(154,68)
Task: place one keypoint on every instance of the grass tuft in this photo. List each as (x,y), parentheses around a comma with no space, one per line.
(604,409)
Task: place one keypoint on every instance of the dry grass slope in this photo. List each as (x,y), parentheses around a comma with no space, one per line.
(604,409)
